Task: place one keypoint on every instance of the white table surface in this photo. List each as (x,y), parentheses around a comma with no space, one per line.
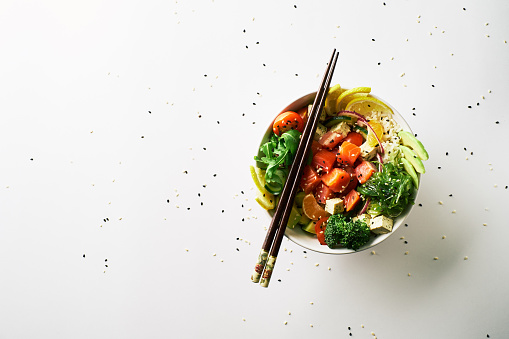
(126,133)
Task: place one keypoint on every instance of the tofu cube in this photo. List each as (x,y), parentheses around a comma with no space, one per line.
(363,217)
(334,206)
(381,225)
(320,130)
(342,128)
(367,151)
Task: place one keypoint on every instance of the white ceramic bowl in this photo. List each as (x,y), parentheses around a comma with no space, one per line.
(309,241)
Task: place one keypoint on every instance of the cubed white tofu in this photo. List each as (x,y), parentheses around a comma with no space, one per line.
(334,206)
(367,151)
(342,128)
(381,225)
(363,217)
(320,130)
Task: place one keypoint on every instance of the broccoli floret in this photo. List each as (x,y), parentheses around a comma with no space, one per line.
(355,234)
(333,230)
(342,230)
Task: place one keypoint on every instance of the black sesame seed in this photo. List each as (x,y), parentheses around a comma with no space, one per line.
(497,122)
(295,6)
(372,39)
(420,205)
(237,249)
(432,85)
(439,167)
(446,153)
(406,225)
(378,64)
(406,242)
(469,106)
(168,200)
(83,255)
(450,195)
(149,112)
(279,280)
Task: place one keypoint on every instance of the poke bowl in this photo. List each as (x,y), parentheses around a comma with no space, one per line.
(392,147)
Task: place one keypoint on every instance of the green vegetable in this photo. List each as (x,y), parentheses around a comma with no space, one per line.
(342,230)
(390,190)
(279,154)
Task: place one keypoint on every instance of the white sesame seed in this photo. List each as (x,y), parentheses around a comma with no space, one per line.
(465,258)
(443,237)
(441,202)
(329,268)
(286,322)
(409,274)
(485,224)
(373,252)
(317,264)
(311,303)
(406,253)
(453,211)
(289,313)
(435,258)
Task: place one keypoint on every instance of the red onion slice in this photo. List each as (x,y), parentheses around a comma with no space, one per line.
(365,206)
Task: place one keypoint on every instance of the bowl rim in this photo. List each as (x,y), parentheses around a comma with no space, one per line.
(297,233)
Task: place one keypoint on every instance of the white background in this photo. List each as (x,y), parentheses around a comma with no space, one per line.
(105,104)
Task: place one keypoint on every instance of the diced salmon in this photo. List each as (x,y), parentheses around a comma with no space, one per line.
(337,179)
(323,161)
(351,200)
(364,171)
(348,153)
(309,179)
(330,139)
(323,193)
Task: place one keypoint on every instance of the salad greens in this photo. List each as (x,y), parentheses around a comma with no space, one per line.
(390,190)
(279,154)
(342,230)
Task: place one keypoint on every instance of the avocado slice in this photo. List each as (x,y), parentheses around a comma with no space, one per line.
(294,217)
(298,198)
(409,140)
(413,159)
(310,227)
(304,220)
(411,171)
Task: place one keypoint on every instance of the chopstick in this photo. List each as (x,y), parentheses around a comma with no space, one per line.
(274,237)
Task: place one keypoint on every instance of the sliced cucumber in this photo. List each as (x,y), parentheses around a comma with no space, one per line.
(361,130)
(336,120)
(277,183)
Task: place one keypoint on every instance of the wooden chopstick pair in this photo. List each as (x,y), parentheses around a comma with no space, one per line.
(266,261)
